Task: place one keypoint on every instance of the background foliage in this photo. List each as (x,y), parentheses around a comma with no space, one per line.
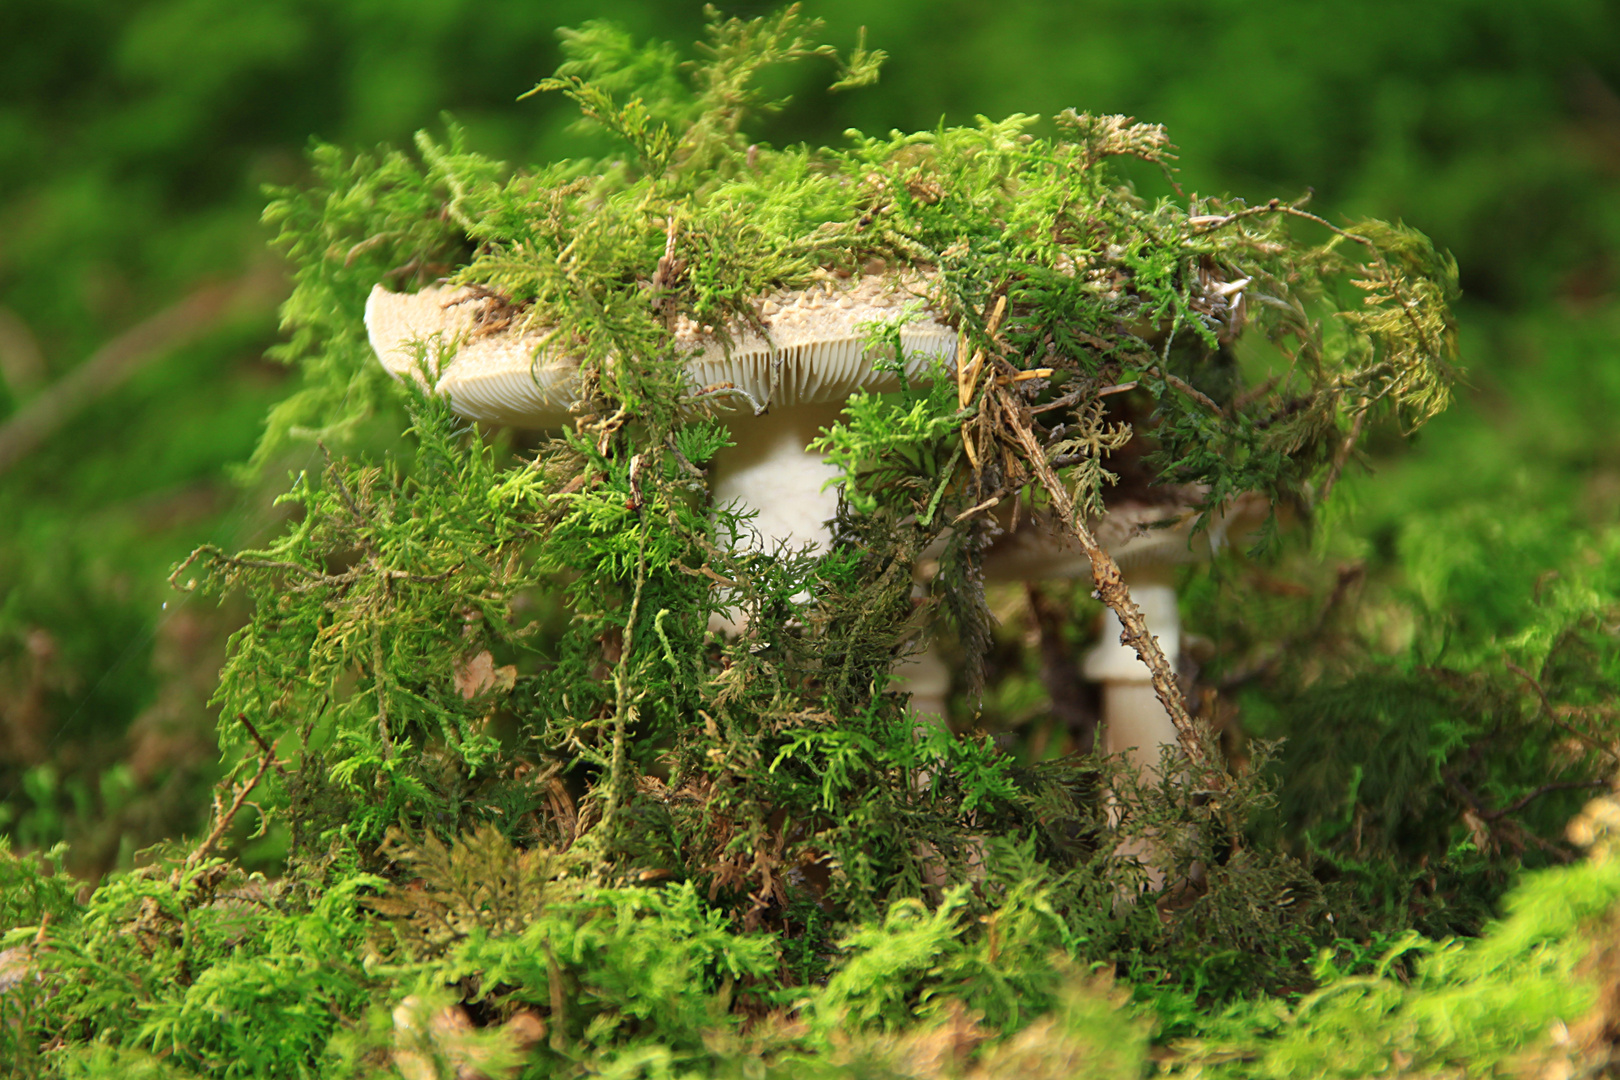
(1449,612)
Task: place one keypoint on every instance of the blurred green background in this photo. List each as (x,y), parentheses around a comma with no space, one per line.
(137,295)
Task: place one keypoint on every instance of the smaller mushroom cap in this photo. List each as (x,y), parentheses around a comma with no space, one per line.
(1136,534)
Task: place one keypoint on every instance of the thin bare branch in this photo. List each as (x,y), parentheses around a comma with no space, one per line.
(1190,390)
(1111,588)
(348,577)
(180,324)
(268,750)
(223,822)
(1346,448)
(379,680)
(1545,789)
(1552,714)
(1348,576)
(977,508)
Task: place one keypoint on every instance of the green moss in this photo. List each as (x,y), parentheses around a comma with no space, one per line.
(518,773)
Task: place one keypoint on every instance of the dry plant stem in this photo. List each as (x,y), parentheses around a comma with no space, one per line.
(621,693)
(1348,576)
(1552,714)
(171,328)
(1190,390)
(269,751)
(1343,456)
(316,577)
(1073,396)
(343,490)
(1110,584)
(978,507)
(1493,819)
(967,375)
(1525,800)
(224,820)
(380,681)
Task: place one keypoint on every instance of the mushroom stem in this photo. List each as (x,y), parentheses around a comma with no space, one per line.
(1134,719)
(770,471)
(927,679)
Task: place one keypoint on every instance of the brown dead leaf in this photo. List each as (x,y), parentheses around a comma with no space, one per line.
(430,1042)
(479,675)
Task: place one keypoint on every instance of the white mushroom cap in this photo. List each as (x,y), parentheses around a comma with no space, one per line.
(816,352)
(503,377)
(400,325)
(813,355)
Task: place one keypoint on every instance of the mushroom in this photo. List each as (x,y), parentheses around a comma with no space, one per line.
(495,375)
(1148,541)
(779,390)
(787,388)
(791,385)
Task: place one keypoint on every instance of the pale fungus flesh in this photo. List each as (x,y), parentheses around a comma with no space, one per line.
(776,390)
(436,337)
(1148,541)
(780,391)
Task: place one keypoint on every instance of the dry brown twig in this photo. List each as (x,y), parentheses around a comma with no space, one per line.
(179,324)
(263,744)
(1552,714)
(223,820)
(1348,576)
(1111,588)
(1189,389)
(1495,819)
(1346,448)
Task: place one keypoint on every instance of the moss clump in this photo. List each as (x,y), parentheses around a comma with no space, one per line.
(518,777)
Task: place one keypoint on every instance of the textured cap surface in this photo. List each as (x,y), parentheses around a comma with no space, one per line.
(503,377)
(816,350)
